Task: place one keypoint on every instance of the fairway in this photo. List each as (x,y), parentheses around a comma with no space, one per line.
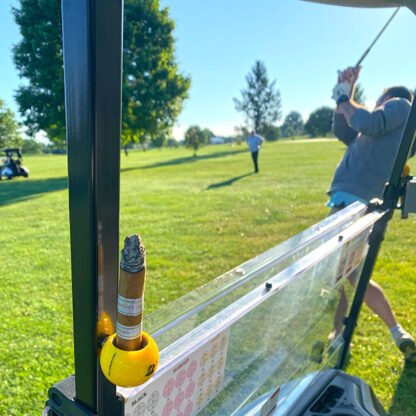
(198,217)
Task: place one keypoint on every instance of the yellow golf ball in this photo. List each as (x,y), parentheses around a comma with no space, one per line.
(406,170)
(129,368)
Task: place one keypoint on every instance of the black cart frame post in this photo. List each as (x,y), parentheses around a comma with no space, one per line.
(92,42)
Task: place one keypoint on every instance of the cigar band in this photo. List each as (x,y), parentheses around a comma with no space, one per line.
(128,332)
(129,307)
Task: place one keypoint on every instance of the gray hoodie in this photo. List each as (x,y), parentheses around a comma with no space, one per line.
(373,140)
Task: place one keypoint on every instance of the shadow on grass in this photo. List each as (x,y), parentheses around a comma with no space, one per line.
(404,399)
(19,191)
(228,182)
(188,159)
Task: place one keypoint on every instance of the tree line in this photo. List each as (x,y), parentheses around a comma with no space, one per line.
(154,88)
(261,105)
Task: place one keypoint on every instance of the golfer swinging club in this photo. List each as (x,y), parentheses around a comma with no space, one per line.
(254,142)
(372,139)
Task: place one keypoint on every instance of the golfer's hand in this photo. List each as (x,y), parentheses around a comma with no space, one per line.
(342,88)
(349,75)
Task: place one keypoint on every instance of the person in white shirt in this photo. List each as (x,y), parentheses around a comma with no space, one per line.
(254,142)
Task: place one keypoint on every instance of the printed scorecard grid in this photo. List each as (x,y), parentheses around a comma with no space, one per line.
(352,254)
(188,387)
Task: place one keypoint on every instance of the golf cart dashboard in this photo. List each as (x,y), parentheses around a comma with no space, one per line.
(344,396)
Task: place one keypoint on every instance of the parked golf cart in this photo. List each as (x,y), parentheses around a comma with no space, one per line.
(12,167)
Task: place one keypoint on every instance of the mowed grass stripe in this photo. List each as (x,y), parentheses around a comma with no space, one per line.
(198,217)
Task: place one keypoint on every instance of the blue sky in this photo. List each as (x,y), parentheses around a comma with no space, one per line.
(302,45)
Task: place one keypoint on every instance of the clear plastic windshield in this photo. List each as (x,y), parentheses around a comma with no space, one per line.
(271,334)
(179,317)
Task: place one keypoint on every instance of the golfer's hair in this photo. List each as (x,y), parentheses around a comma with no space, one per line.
(399,92)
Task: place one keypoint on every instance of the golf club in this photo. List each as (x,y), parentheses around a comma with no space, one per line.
(375,40)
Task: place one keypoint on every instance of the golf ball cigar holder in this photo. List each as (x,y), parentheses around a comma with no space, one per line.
(254,341)
(130,356)
(129,368)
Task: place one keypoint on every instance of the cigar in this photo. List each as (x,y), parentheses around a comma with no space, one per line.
(130,294)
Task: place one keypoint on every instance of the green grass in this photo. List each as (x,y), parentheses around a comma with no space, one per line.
(198,218)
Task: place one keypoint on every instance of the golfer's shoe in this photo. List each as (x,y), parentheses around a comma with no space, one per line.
(406,344)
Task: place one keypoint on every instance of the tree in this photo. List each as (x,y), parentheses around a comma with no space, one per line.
(319,122)
(359,96)
(9,128)
(194,138)
(241,134)
(38,58)
(260,100)
(271,133)
(153,87)
(159,141)
(207,134)
(290,132)
(30,146)
(171,142)
(293,120)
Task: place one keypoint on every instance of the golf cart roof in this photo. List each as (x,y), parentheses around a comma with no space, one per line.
(411,4)
(11,150)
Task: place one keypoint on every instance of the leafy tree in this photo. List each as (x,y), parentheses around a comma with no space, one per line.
(207,134)
(171,142)
(293,120)
(241,134)
(194,138)
(38,58)
(290,132)
(319,122)
(30,146)
(359,96)
(271,133)
(260,101)
(153,87)
(159,141)
(9,128)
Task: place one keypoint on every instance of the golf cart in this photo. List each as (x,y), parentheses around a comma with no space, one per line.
(12,166)
(254,341)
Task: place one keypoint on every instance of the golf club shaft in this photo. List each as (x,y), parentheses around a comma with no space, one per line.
(376,39)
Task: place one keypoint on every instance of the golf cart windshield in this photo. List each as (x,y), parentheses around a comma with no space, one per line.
(263,325)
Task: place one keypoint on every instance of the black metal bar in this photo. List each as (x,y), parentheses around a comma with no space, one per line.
(376,239)
(92,43)
(393,187)
(62,400)
(391,196)
(108,43)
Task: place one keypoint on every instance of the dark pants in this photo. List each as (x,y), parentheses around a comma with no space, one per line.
(255,156)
